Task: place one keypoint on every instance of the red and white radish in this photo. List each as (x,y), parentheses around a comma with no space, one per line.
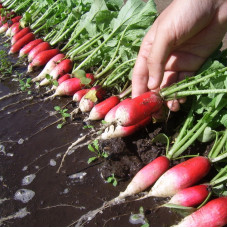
(88,101)
(111,115)
(4,28)
(181,176)
(99,111)
(19,35)
(52,63)
(146,176)
(190,197)
(37,49)
(64,67)
(28,47)
(42,58)
(21,43)
(213,214)
(145,105)
(64,78)
(79,94)
(14,29)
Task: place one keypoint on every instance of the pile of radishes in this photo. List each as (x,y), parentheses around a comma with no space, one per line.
(122,116)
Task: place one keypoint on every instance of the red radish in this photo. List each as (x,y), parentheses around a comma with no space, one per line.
(146,176)
(181,176)
(62,68)
(37,49)
(64,78)
(14,20)
(19,35)
(99,111)
(190,197)
(22,42)
(28,47)
(120,131)
(52,63)
(42,58)
(9,30)
(88,101)
(213,214)
(4,28)
(138,108)
(111,115)
(14,29)
(79,94)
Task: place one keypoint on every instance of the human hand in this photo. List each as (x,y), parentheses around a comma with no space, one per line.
(178,43)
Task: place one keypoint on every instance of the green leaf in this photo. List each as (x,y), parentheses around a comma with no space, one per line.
(48,77)
(66,115)
(57,108)
(90,147)
(104,155)
(96,144)
(104,122)
(145,225)
(55,83)
(59,126)
(91,159)
(207,135)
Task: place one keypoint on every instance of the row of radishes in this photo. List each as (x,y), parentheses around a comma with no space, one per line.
(57,66)
(174,180)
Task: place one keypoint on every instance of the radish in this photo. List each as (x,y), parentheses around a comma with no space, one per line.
(42,58)
(14,20)
(145,104)
(111,115)
(28,47)
(79,94)
(22,42)
(37,49)
(62,68)
(19,35)
(181,176)
(213,214)
(146,176)
(64,78)
(14,29)
(190,197)
(99,111)
(52,63)
(68,87)
(95,94)
(4,28)
(120,131)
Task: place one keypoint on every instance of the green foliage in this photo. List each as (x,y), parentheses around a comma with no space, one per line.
(63,113)
(94,148)
(112,180)
(25,84)
(6,68)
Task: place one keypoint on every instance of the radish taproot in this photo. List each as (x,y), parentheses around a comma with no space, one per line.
(14,29)
(52,63)
(42,58)
(111,115)
(28,47)
(68,87)
(145,104)
(19,35)
(79,94)
(64,67)
(4,28)
(213,214)
(21,43)
(146,176)
(88,101)
(181,176)
(190,197)
(43,46)
(99,111)
(64,78)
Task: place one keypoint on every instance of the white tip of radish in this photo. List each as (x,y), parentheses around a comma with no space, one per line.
(85,105)
(94,115)
(108,133)
(44,82)
(30,68)
(122,115)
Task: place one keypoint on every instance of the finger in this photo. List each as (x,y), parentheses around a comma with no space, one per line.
(173,105)
(183,61)
(141,73)
(159,52)
(169,78)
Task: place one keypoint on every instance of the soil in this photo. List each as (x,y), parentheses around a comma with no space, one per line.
(61,198)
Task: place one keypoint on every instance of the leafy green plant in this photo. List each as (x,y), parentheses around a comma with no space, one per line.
(63,113)
(140,218)
(6,67)
(88,126)
(94,147)
(52,82)
(25,84)
(112,180)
